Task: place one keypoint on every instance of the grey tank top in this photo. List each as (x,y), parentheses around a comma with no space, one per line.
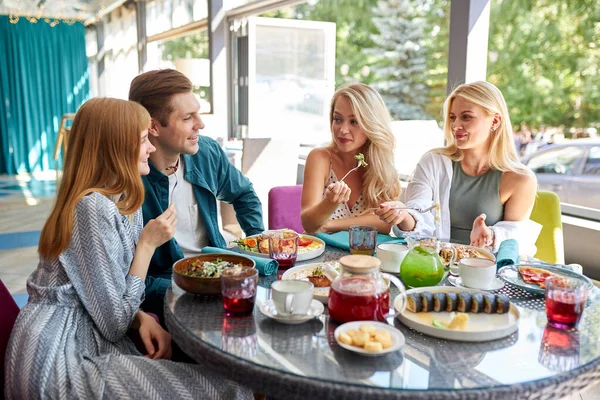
(471,196)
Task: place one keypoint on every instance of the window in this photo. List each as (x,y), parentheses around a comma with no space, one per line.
(189,55)
(559,161)
(163,15)
(592,166)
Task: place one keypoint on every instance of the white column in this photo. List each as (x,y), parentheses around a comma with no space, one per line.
(217,122)
(468,42)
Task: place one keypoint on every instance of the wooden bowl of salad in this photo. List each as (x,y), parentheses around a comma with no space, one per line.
(202,274)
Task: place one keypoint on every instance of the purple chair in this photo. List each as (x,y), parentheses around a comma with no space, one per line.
(284,208)
(8,315)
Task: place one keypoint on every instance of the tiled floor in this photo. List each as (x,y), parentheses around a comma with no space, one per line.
(25,204)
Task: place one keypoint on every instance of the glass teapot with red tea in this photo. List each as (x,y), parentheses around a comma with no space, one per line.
(360,292)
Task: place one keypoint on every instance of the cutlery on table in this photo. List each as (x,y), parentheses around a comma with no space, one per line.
(417,209)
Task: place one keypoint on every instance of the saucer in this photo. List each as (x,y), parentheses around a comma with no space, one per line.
(398,339)
(269,310)
(497,283)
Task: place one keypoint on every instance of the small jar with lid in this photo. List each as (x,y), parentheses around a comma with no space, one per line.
(360,292)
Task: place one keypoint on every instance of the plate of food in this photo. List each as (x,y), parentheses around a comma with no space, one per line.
(369,338)
(313,273)
(465,315)
(464,251)
(309,247)
(532,277)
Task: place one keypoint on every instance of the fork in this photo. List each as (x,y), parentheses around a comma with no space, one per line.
(417,209)
(174,168)
(352,170)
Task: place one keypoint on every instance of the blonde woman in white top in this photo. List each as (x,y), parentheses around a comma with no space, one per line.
(478,131)
(360,124)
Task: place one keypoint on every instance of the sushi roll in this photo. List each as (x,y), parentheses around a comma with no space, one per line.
(477,303)
(414,303)
(465,300)
(427,299)
(491,305)
(503,303)
(451,301)
(439,302)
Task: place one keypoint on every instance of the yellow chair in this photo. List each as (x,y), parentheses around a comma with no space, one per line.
(550,244)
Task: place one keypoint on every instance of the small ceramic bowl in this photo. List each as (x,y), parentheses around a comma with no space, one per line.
(205,285)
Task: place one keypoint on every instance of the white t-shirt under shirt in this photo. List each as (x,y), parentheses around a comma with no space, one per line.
(191,231)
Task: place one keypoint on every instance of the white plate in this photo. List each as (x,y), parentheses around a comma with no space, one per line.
(269,310)
(481,328)
(301,272)
(398,339)
(309,255)
(497,283)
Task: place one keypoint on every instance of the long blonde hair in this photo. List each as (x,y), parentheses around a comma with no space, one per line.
(381,181)
(103,156)
(502,153)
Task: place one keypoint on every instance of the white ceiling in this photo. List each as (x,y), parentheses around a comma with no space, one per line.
(83,10)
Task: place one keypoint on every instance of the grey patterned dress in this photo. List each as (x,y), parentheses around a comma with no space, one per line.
(70,340)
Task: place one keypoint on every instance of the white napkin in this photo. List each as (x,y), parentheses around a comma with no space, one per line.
(524,232)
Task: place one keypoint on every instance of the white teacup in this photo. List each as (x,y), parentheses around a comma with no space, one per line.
(292,297)
(391,256)
(477,273)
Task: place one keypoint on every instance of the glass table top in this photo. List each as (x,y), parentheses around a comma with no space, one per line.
(535,352)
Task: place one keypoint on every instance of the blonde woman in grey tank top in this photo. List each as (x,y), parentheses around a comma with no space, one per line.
(479,138)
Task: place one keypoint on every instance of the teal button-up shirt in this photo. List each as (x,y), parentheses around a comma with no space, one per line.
(213,178)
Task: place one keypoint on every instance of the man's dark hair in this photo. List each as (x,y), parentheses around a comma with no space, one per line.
(155,90)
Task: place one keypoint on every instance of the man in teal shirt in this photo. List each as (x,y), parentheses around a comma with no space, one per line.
(189,170)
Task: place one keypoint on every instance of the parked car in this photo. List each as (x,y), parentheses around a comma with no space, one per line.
(570,169)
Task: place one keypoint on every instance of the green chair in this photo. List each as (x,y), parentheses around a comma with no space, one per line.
(550,244)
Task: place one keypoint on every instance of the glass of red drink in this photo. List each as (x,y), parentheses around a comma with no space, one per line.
(283,247)
(238,287)
(565,301)
(363,239)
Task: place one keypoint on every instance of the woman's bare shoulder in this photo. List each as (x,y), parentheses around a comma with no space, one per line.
(319,155)
(520,181)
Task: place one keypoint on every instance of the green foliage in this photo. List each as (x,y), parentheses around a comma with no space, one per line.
(547,60)
(435,41)
(355,22)
(194,45)
(548,54)
(399,57)
(354,27)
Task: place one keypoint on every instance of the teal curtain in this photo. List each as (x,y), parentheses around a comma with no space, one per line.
(43,75)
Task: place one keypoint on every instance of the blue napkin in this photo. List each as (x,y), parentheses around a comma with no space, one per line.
(508,253)
(341,239)
(265,266)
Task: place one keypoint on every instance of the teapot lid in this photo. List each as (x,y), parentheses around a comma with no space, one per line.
(360,264)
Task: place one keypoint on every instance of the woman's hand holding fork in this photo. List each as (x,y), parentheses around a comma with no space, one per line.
(338,193)
(391,212)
